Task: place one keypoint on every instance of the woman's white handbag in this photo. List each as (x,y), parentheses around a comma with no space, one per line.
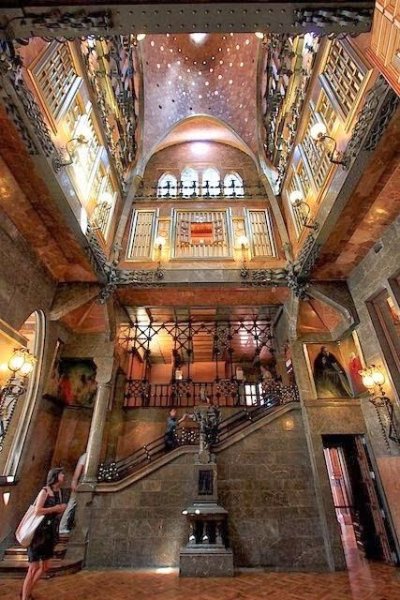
(29,523)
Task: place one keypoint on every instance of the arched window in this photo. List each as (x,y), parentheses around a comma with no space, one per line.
(233,185)
(167,186)
(189,182)
(210,183)
(17,410)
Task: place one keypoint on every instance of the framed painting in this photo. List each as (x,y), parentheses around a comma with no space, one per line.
(334,368)
(77,382)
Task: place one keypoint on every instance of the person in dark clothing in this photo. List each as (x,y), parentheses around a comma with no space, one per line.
(170,432)
(330,377)
(41,549)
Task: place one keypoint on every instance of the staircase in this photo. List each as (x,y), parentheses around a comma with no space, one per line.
(15,561)
(149,453)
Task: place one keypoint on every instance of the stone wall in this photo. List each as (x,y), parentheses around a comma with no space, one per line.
(264,482)
(266,485)
(26,287)
(371,276)
(142,525)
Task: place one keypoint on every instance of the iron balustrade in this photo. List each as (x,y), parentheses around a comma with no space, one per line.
(189,436)
(193,189)
(185,393)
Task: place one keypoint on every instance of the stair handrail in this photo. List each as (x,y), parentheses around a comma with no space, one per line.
(117,470)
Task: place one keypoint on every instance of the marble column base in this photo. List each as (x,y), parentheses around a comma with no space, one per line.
(206,562)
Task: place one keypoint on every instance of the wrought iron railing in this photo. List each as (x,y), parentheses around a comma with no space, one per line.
(183,393)
(207,189)
(148,453)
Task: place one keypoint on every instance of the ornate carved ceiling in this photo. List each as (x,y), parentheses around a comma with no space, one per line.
(213,75)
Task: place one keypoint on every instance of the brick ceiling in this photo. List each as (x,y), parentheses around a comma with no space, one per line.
(216,77)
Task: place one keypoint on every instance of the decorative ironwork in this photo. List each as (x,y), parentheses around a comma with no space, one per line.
(380,103)
(17,96)
(389,106)
(110,66)
(297,282)
(78,22)
(108,472)
(8,400)
(264,277)
(308,254)
(138,388)
(192,189)
(326,17)
(287,69)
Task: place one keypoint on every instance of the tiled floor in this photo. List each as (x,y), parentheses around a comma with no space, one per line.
(367,582)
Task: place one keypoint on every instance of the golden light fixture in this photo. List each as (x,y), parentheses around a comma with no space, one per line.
(21,362)
(70,149)
(374,379)
(296,199)
(21,365)
(243,243)
(159,242)
(319,134)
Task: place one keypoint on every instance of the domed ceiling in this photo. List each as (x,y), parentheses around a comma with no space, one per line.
(199,74)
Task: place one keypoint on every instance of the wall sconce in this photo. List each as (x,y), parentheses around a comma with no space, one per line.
(319,134)
(261,36)
(374,379)
(296,198)
(70,148)
(21,365)
(159,242)
(243,242)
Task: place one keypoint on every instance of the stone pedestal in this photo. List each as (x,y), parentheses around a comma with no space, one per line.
(206,554)
(206,562)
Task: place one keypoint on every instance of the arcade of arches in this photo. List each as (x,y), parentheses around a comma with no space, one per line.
(203,217)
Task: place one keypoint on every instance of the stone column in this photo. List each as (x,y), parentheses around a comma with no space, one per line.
(104,375)
(96,431)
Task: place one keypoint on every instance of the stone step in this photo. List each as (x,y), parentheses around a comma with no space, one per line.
(16,567)
(18,551)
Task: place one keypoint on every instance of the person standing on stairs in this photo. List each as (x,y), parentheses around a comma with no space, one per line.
(170,440)
(41,549)
(68,517)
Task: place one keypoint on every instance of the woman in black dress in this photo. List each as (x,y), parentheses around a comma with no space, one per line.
(41,549)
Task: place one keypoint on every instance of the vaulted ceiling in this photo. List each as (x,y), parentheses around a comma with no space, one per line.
(213,75)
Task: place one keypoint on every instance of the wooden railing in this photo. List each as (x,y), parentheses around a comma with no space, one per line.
(185,393)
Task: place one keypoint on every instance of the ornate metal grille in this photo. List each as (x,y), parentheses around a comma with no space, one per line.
(55,76)
(142,234)
(261,233)
(189,245)
(344,75)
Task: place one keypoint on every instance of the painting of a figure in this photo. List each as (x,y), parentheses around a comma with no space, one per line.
(329,376)
(76,382)
(335,367)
